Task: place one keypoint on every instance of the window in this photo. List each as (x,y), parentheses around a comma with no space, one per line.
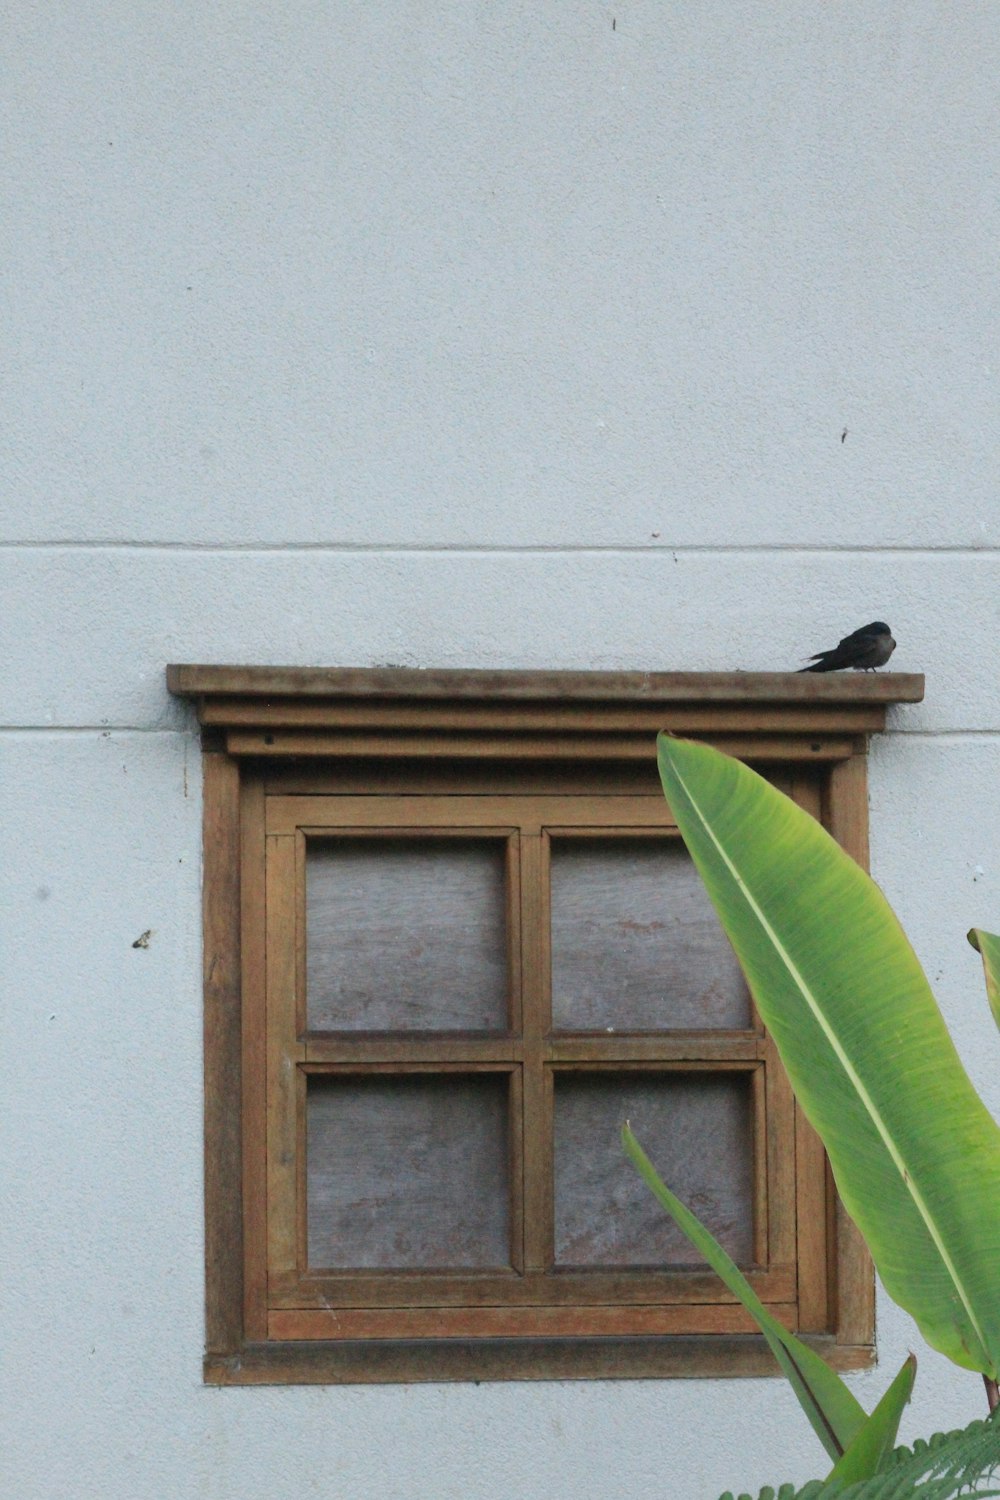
(452,941)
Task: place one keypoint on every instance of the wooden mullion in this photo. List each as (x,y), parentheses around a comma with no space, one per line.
(640,1287)
(812,1226)
(688,1051)
(301,1101)
(388,816)
(852,1293)
(518,966)
(512,1322)
(358,1067)
(761,1178)
(254,1049)
(459,781)
(846,806)
(515,1167)
(780,1115)
(284,1052)
(301,937)
(539,1236)
(661,827)
(371,823)
(512,912)
(537,1079)
(810,1172)
(367,1049)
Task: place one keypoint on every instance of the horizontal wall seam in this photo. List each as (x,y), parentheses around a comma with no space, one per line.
(107,730)
(458,549)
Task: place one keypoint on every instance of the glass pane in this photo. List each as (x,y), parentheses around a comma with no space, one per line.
(406,935)
(408,1171)
(636,944)
(696,1130)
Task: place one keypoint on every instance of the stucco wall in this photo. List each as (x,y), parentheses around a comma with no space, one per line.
(455,334)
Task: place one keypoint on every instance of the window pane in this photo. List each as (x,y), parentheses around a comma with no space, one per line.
(406,934)
(408,1171)
(696,1130)
(636,944)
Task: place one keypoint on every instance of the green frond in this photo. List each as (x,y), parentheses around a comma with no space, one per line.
(943,1467)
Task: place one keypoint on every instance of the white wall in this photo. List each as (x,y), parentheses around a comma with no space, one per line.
(454,334)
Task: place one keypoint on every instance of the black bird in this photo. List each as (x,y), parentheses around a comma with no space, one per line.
(864,650)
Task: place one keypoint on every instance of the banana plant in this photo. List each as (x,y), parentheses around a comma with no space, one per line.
(914,1151)
(988,947)
(949,1465)
(860,1445)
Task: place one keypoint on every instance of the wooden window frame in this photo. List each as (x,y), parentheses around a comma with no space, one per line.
(290,750)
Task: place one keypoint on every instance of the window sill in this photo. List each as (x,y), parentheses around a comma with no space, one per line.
(388,1361)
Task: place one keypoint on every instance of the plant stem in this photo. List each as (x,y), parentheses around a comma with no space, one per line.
(992,1393)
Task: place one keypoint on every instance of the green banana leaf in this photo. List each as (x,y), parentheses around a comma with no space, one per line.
(870,1449)
(837,1417)
(914,1151)
(989,947)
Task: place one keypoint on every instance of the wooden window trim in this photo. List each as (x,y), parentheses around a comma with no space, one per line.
(274,734)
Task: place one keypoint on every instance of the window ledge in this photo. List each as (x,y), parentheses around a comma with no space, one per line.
(388,1361)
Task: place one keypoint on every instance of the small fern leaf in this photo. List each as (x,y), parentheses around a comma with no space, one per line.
(946,1466)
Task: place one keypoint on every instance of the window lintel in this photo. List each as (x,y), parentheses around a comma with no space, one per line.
(362,712)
